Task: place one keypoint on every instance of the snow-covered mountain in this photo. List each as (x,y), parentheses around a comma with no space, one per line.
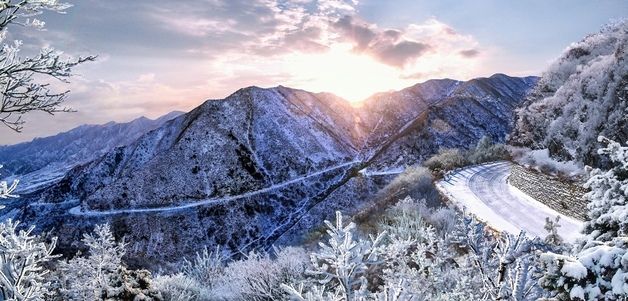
(443,113)
(263,164)
(582,95)
(42,161)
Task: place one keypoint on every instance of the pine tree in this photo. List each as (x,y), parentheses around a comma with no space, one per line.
(339,267)
(599,269)
(551,226)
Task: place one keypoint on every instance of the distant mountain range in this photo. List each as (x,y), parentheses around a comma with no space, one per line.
(261,165)
(44,160)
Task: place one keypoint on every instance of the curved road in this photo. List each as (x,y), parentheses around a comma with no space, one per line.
(87,212)
(483,190)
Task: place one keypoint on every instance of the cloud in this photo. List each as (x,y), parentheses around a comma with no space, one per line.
(358,32)
(269,28)
(154,59)
(390,46)
(412,76)
(469,53)
(402,47)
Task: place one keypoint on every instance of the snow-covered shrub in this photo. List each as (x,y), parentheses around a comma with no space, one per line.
(599,272)
(206,268)
(484,151)
(415,182)
(101,275)
(608,198)
(259,276)
(179,287)
(487,151)
(406,220)
(130,284)
(443,219)
(599,269)
(409,214)
(419,263)
(446,159)
(23,257)
(541,161)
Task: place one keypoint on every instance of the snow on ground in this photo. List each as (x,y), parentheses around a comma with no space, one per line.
(483,190)
(539,159)
(393,171)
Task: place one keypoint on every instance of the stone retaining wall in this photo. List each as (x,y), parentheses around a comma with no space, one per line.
(563,197)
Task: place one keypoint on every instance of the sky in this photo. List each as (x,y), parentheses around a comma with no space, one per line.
(155,56)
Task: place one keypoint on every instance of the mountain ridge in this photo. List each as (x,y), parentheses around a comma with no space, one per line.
(261,164)
(44,159)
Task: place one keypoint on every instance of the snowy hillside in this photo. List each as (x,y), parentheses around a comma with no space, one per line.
(44,160)
(582,95)
(246,170)
(458,116)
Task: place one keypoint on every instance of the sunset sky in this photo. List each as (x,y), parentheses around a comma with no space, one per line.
(158,56)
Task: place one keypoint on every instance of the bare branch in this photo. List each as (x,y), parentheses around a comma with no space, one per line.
(22,79)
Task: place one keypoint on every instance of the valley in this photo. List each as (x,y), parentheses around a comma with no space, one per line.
(264,163)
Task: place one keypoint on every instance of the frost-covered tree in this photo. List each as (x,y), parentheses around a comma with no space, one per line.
(343,261)
(339,267)
(6,190)
(551,226)
(89,278)
(101,275)
(599,269)
(23,257)
(608,198)
(504,262)
(23,80)
(206,268)
(580,96)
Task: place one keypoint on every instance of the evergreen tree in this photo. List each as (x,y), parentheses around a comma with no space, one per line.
(599,269)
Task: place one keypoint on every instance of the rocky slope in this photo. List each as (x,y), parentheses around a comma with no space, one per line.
(459,117)
(42,161)
(263,164)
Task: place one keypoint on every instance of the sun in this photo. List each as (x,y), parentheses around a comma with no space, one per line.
(349,75)
(340,70)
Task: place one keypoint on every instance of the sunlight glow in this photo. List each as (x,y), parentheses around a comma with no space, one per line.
(342,71)
(356,77)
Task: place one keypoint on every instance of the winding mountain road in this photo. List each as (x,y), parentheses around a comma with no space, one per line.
(484,191)
(88,212)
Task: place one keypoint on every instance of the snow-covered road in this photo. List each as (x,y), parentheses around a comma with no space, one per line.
(80,211)
(484,191)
